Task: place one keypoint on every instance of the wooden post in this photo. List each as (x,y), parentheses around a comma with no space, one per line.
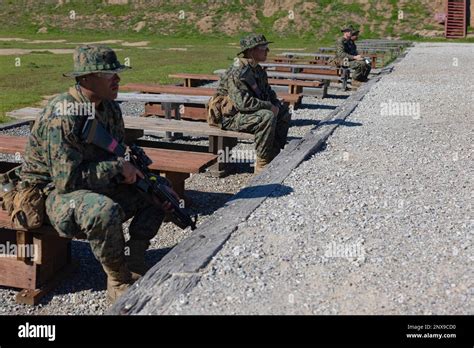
(167,108)
(177,115)
(219,145)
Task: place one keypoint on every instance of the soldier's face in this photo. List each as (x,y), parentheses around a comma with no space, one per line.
(347,35)
(259,53)
(104,86)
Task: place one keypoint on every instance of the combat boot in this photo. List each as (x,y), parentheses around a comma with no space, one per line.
(136,257)
(119,279)
(260,165)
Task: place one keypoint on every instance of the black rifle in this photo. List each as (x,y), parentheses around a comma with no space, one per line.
(94,133)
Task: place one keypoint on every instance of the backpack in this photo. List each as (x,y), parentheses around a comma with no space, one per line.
(219,106)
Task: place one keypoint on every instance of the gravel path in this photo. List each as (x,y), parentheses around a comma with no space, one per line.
(84,292)
(380,222)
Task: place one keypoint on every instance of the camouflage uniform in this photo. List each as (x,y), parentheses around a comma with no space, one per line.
(81,179)
(345,51)
(246,84)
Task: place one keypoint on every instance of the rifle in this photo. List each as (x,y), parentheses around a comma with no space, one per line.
(152,185)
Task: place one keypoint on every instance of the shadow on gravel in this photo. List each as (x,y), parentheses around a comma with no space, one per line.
(201,201)
(340,123)
(337,96)
(303,122)
(317,107)
(258,191)
(153,256)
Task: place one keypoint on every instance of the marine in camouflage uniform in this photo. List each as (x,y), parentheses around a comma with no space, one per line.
(246,84)
(346,51)
(84,193)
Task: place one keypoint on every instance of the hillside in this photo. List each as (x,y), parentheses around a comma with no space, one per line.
(313,20)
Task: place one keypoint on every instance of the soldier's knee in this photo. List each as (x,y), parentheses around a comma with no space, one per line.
(267,117)
(106,214)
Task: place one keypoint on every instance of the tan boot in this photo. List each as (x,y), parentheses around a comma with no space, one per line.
(136,258)
(260,165)
(119,279)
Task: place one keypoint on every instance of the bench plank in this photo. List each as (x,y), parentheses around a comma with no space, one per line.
(282,82)
(154,125)
(171,89)
(163,159)
(296,76)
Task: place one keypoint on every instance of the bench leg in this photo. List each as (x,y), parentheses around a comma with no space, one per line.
(167,108)
(177,181)
(325,89)
(218,145)
(24,241)
(33,296)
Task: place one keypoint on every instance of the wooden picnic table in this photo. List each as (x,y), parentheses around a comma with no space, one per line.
(175,165)
(219,140)
(319,57)
(291,99)
(301,66)
(294,86)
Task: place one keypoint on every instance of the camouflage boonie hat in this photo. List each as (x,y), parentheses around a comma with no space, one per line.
(90,59)
(251,41)
(348,28)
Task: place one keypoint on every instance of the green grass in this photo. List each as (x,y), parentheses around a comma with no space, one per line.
(40,73)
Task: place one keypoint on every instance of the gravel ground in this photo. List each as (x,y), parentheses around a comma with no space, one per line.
(84,292)
(380,222)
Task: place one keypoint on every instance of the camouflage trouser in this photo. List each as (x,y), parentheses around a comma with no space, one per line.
(100,218)
(270,131)
(360,69)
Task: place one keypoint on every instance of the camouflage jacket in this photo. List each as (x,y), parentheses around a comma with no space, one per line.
(56,154)
(345,49)
(246,84)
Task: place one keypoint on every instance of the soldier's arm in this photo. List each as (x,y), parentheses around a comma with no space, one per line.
(68,169)
(341,53)
(242,97)
(273,96)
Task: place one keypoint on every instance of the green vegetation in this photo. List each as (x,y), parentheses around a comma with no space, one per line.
(40,72)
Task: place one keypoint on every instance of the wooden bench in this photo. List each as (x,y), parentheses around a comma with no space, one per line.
(42,260)
(174,165)
(310,69)
(304,68)
(34,261)
(291,99)
(294,86)
(324,58)
(219,140)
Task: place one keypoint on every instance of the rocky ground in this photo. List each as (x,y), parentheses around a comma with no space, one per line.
(84,292)
(379,222)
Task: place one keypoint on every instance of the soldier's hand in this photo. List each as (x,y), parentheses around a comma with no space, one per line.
(173,193)
(130,173)
(358,57)
(275,110)
(166,206)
